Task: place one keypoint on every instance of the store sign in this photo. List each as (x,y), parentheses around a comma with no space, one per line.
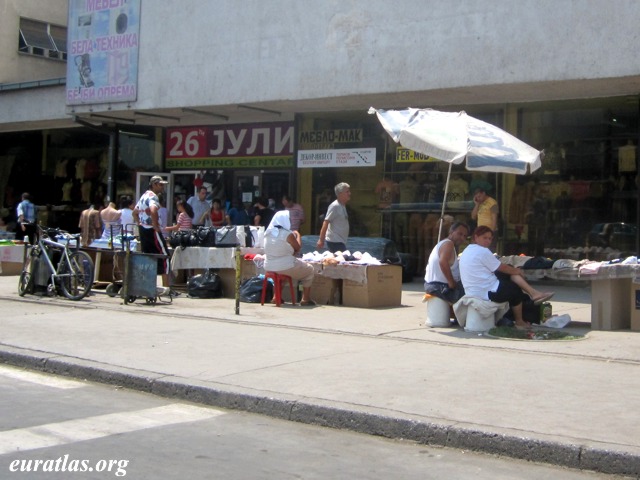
(404,155)
(229,162)
(102,46)
(347,157)
(234,146)
(327,139)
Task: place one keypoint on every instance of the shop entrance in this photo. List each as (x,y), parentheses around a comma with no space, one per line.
(248,185)
(142,185)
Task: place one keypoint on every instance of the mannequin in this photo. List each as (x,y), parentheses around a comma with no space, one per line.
(90,226)
(111,220)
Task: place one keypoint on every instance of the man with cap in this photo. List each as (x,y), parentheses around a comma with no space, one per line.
(145,214)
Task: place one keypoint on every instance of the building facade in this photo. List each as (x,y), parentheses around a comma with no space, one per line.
(242,95)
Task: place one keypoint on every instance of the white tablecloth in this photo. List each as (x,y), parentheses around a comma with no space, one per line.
(203,257)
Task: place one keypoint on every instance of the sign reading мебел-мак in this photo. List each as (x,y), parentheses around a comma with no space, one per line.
(102,47)
(345,157)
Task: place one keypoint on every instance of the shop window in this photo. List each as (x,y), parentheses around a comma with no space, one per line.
(588,179)
(42,39)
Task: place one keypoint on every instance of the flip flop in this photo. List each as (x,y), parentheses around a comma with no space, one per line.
(309,303)
(543,298)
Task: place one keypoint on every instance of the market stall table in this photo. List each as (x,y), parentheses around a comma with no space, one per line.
(614,289)
(221,259)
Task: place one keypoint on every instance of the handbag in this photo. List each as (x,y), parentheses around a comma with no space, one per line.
(205,237)
(226,237)
(181,238)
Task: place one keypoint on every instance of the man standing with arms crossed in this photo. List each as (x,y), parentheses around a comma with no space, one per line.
(335,227)
(146,216)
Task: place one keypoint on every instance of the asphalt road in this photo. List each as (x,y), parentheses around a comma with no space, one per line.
(53,426)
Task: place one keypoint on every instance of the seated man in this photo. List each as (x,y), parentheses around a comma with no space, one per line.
(486,278)
(442,278)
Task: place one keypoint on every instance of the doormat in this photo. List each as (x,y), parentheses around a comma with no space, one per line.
(511,333)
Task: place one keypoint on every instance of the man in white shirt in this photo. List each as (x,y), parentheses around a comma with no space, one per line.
(201,207)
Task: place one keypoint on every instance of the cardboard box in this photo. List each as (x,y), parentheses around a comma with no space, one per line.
(635,307)
(610,304)
(326,291)
(228,277)
(11,268)
(383,288)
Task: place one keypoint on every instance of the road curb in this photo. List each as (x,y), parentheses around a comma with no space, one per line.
(329,414)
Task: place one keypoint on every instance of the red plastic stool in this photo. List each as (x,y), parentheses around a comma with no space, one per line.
(278,285)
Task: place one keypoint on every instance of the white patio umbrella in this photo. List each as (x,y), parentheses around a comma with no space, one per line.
(455,136)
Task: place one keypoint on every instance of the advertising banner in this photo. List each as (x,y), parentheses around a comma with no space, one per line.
(102,43)
(268,145)
(345,157)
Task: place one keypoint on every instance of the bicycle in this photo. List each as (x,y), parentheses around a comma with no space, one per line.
(73,274)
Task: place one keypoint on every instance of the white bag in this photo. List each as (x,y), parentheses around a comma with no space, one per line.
(558,321)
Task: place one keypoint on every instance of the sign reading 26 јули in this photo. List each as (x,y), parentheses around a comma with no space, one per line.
(268,145)
(102,49)
(344,157)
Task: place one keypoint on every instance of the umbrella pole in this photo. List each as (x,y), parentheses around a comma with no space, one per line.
(444,201)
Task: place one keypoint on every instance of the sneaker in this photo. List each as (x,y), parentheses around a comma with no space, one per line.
(163,291)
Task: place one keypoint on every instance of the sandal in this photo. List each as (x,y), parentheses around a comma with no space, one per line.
(308,303)
(543,298)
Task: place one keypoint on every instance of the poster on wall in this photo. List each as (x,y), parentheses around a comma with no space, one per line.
(343,157)
(102,42)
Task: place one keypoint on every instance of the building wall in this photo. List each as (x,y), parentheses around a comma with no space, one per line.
(345,55)
(217,53)
(22,68)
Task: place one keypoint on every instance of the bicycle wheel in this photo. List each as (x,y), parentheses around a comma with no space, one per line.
(25,285)
(76,277)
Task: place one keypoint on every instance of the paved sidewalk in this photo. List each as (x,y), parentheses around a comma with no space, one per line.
(378,371)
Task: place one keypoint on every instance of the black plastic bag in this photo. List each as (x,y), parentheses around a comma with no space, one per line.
(205,285)
(251,290)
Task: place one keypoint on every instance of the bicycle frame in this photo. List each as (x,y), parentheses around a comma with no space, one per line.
(73,274)
(44,243)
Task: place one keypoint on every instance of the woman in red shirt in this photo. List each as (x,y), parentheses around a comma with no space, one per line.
(217,213)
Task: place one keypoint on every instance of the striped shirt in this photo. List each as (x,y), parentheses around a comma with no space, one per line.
(184,221)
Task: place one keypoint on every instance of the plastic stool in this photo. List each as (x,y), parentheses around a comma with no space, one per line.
(438,313)
(278,285)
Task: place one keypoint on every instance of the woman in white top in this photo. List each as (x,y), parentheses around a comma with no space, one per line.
(126,214)
(280,247)
(485,277)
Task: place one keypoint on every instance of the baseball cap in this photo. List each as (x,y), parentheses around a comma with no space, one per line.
(157,179)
